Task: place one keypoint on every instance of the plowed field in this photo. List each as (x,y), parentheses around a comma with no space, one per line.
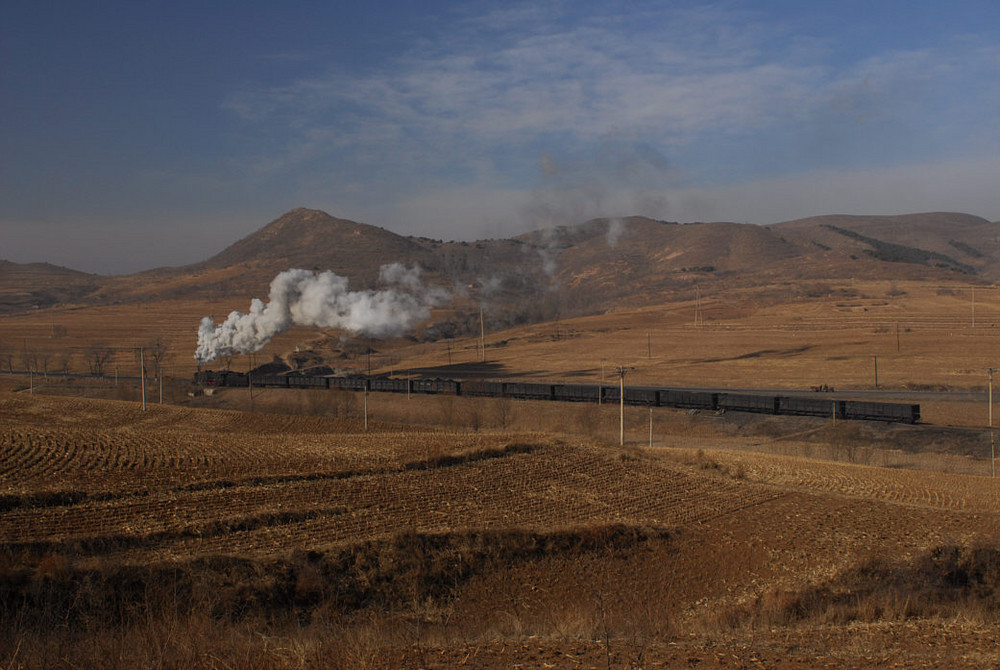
(399,548)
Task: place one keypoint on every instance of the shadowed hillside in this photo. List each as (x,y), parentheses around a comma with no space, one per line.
(563,271)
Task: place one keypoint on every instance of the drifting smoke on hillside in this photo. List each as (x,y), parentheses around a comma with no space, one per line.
(616,228)
(304,298)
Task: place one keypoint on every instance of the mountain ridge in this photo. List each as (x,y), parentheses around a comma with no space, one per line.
(584,267)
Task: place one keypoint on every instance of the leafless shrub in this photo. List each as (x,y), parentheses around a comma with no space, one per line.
(97,358)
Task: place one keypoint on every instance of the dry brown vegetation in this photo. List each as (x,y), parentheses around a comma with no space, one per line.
(207,538)
(276,532)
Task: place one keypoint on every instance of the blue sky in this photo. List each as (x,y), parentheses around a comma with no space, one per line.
(138,134)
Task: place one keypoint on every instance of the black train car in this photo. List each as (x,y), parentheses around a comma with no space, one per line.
(349,383)
(270,380)
(220,378)
(528,390)
(800,406)
(688,399)
(481,388)
(747,402)
(576,392)
(447,386)
(307,382)
(879,411)
(641,396)
(389,385)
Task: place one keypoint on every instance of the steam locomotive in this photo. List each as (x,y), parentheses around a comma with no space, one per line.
(594,393)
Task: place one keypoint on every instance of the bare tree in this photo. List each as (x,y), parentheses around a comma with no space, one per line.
(43,357)
(62,360)
(156,351)
(7,356)
(29,359)
(98,357)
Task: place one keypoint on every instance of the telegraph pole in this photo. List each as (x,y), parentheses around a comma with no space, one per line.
(482,334)
(142,377)
(622,370)
(993,446)
(600,394)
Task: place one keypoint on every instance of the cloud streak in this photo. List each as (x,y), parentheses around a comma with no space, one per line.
(712,90)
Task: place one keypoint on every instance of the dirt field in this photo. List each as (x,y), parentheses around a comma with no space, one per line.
(913,335)
(191,537)
(278,532)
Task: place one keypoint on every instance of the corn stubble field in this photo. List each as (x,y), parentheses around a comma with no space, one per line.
(279,532)
(205,538)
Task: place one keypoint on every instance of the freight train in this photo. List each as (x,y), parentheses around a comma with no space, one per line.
(594,393)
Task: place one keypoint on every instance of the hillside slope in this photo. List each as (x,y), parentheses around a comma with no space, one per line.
(579,269)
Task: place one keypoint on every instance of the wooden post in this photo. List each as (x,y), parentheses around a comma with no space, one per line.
(993,447)
(650,427)
(482,334)
(621,402)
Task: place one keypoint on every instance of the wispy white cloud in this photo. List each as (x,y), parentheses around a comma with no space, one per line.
(723,97)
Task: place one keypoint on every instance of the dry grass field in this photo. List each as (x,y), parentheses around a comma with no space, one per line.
(920,336)
(188,537)
(278,532)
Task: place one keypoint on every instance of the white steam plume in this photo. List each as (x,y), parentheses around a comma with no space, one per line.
(616,228)
(304,298)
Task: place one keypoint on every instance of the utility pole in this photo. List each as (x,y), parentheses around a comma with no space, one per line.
(993,446)
(250,379)
(142,377)
(482,334)
(600,394)
(622,370)
(973,306)
(697,306)
(875,358)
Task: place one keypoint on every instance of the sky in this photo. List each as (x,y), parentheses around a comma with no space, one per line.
(140,134)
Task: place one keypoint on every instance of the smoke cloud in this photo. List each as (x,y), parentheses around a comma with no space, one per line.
(304,298)
(616,228)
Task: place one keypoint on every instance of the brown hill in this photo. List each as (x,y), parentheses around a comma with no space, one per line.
(912,243)
(39,285)
(311,239)
(590,267)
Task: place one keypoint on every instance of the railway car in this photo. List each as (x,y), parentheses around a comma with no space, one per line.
(447,386)
(641,396)
(576,392)
(350,383)
(880,411)
(801,406)
(528,390)
(307,382)
(688,399)
(390,385)
(221,378)
(480,388)
(270,381)
(747,402)
(661,397)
